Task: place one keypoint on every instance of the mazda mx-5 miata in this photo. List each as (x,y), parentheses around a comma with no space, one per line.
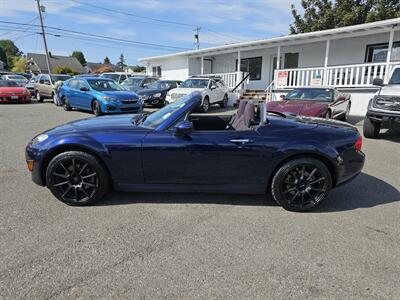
(299,159)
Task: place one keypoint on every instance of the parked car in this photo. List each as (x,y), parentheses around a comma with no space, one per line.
(138,82)
(384,107)
(30,86)
(28,76)
(155,93)
(10,92)
(117,76)
(300,159)
(19,79)
(212,89)
(325,102)
(44,88)
(98,95)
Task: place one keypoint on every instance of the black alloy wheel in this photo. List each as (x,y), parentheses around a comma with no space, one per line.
(301,184)
(77,178)
(206,104)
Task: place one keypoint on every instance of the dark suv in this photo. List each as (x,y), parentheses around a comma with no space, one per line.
(384,107)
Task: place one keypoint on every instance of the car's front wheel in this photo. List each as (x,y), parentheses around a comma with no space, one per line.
(77,178)
(65,104)
(39,97)
(301,184)
(205,106)
(370,129)
(96,108)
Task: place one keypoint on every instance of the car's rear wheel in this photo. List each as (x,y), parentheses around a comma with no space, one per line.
(224,102)
(96,108)
(205,106)
(39,97)
(65,104)
(77,178)
(370,129)
(301,184)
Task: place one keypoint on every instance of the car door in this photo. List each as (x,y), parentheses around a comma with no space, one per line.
(213,92)
(83,98)
(168,159)
(47,86)
(72,93)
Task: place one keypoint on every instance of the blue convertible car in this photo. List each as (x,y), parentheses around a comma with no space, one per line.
(99,95)
(298,159)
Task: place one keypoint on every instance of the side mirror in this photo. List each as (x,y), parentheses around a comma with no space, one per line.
(213,87)
(183,128)
(282,97)
(377,81)
(84,89)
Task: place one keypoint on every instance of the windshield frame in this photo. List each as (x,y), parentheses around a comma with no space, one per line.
(110,81)
(331,92)
(182,85)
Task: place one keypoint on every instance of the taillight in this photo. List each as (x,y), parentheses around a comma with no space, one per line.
(358,144)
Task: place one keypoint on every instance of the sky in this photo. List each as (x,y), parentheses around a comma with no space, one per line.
(169,23)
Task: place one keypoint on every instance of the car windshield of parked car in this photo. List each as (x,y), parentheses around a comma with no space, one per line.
(194,83)
(160,85)
(8,83)
(156,118)
(16,77)
(55,78)
(132,81)
(103,85)
(310,94)
(395,79)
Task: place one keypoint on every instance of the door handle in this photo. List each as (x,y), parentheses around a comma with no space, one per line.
(241,141)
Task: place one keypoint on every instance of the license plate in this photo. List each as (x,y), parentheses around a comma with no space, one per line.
(14,97)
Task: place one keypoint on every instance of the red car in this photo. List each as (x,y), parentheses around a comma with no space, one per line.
(10,92)
(325,102)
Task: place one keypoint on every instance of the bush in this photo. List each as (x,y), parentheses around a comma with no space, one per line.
(64,70)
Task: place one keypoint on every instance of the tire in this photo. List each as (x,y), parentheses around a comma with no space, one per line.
(65,104)
(370,129)
(96,108)
(205,106)
(224,102)
(39,97)
(69,176)
(301,184)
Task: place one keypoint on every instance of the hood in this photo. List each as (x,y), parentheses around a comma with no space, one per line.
(121,94)
(16,90)
(185,91)
(299,107)
(103,123)
(325,122)
(390,90)
(150,91)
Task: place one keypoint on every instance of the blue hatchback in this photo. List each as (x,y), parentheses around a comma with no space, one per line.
(99,95)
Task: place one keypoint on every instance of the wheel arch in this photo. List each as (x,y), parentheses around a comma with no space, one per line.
(70,147)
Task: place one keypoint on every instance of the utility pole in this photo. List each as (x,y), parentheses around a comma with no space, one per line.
(42,9)
(197,37)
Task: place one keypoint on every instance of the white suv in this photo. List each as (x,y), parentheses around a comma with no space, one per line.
(212,89)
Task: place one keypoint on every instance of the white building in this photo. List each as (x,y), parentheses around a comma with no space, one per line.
(348,58)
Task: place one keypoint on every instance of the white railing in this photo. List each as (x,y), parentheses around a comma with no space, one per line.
(357,75)
(230,79)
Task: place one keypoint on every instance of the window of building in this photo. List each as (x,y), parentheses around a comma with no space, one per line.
(251,65)
(378,52)
(157,71)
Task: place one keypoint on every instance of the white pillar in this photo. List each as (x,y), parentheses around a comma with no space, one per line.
(389,54)
(202,66)
(238,74)
(278,58)
(328,44)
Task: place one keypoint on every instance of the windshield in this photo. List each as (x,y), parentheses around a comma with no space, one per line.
(55,78)
(156,118)
(310,94)
(7,83)
(395,79)
(111,76)
(160,85)
(134,82)
(194,83)
(103,85)
(16,77)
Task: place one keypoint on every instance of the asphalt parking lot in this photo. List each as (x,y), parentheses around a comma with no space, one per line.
(144,245)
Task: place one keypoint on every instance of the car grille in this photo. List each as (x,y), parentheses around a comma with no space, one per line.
(387,103)
(129,101)
(177,96)
(132,109)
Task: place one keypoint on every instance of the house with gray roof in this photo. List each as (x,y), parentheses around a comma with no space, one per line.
(37,63)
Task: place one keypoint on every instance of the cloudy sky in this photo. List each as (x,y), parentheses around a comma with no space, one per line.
(140,28)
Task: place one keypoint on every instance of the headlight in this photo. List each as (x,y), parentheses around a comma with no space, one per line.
(40,138)
(107,98)
(158,95)
(143,97)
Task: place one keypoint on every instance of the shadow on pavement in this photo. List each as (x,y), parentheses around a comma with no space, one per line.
(363,192)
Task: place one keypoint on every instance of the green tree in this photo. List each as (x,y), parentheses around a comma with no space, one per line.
(3,56)
(138,68)
(19,64)
(10,50)
(80,57)
(106,61)
(64,70)
(121,61)
(327,14)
